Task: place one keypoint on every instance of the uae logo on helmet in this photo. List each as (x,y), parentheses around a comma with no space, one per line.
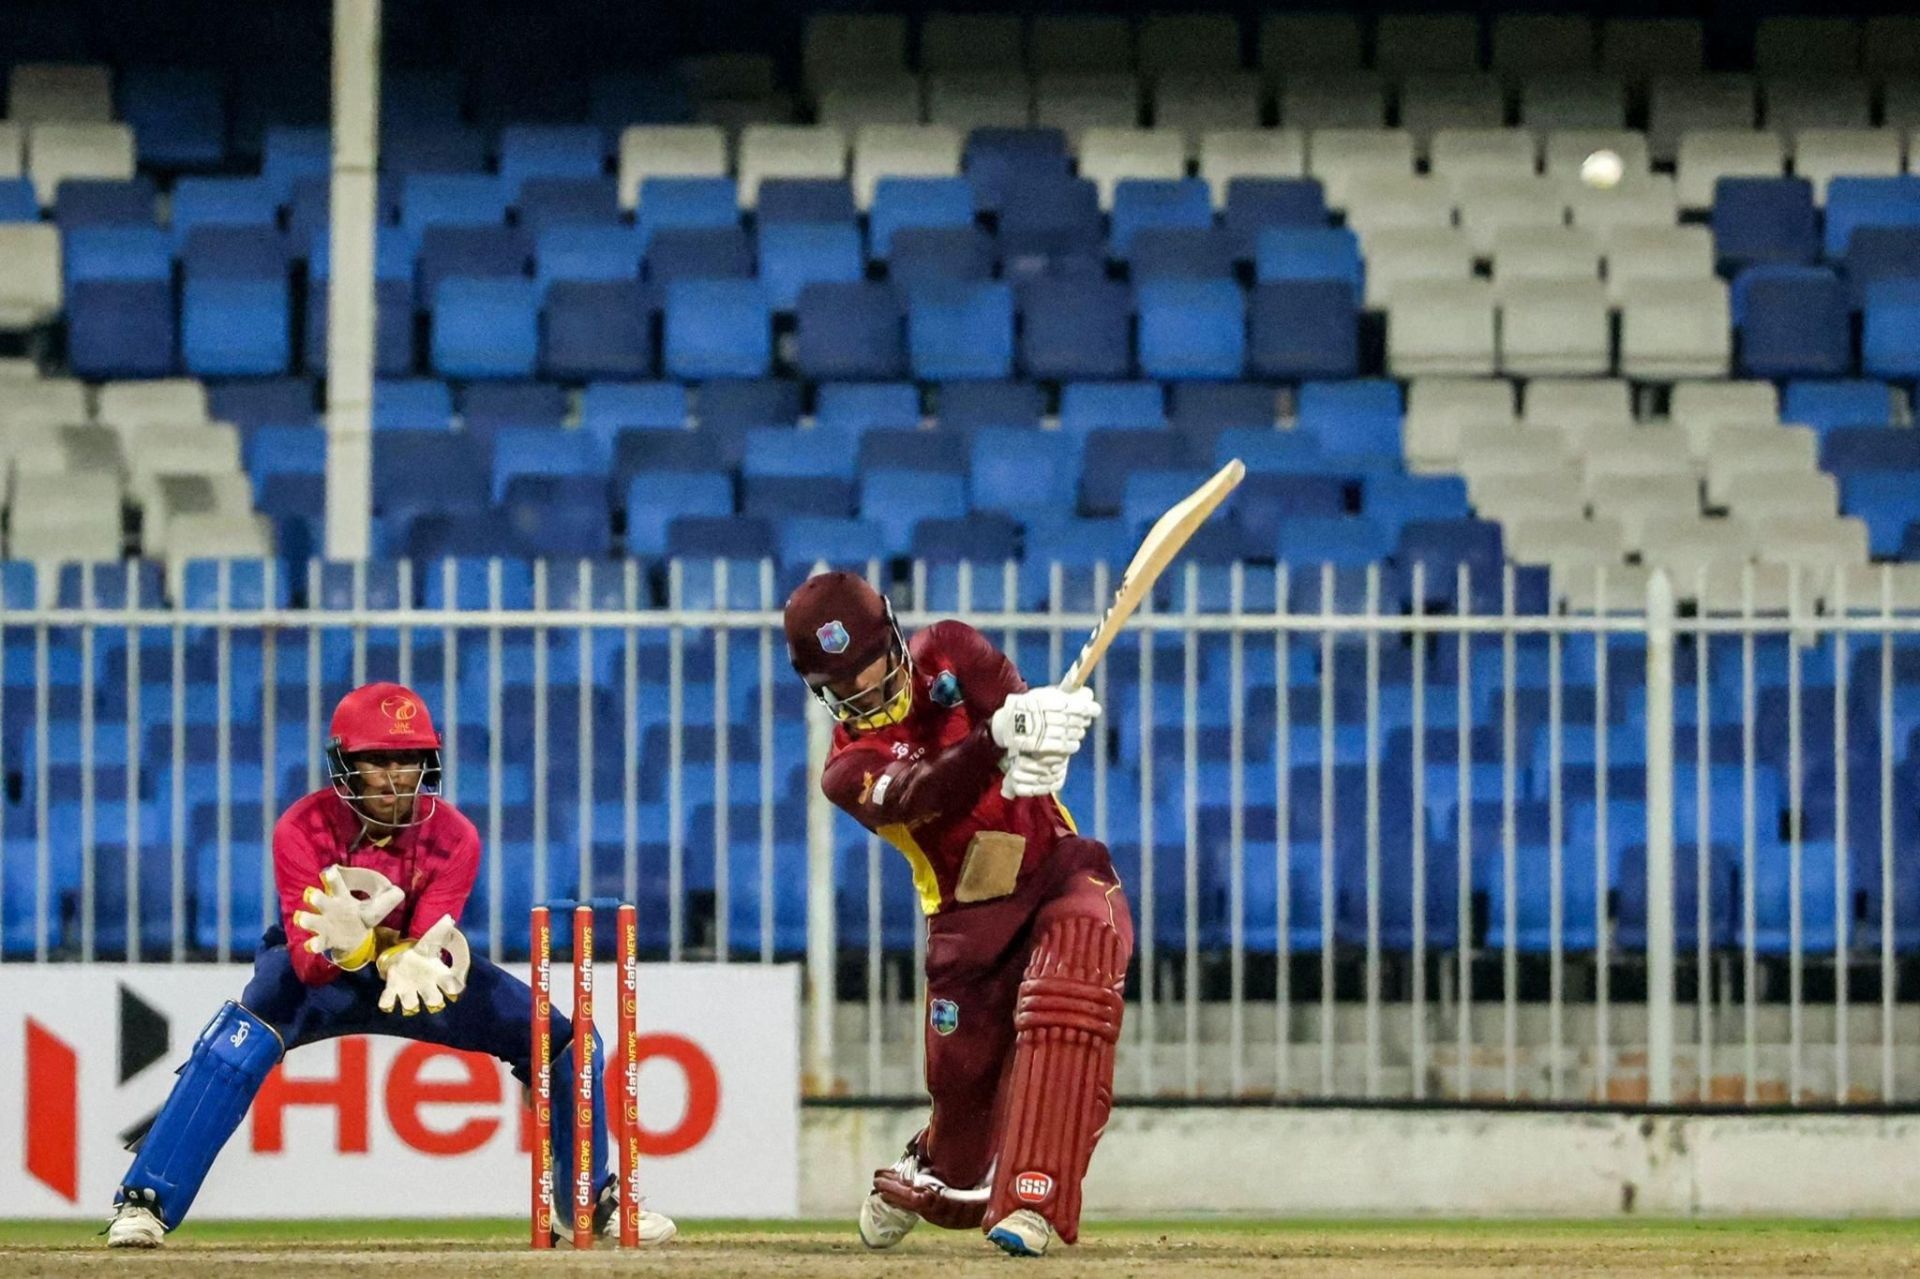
(945,1016)
(400,712)
(834,637)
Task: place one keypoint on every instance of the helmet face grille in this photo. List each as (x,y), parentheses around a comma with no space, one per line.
(345,780)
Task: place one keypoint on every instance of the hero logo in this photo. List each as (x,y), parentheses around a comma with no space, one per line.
(1032,1187)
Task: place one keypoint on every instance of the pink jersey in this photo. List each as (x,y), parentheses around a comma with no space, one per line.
(930,783)
(434,863)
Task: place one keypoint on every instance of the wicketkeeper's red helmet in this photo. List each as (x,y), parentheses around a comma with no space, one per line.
(381,719)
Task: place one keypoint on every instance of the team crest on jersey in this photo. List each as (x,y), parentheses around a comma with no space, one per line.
(833,637)
(944,1016)
(945,690)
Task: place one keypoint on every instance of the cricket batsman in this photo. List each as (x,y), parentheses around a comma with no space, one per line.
(944,752)
(387,959)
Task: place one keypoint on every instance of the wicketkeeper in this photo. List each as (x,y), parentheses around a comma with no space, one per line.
(944,752)
(373,873)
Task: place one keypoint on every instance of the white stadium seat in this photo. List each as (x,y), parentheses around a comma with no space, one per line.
(845,48)
(38,401)
(1338,156)
(1397,255)
(972,42)
(1566,149)
(1639,48)
(1075,102)
(1562,403)
(60,92)
(902,151)
(77,519)
(1198,104)
(789,151)
(1205,43)
(1569,101)
(1529,43)
(1812,542)
(1377,201)
(1758,494)
(877,99)
(1671,329)
(1555,329)
(1466,155)
(1506,497)
(967,100)
(1806,46)
(13,150)
(1820,155)
(1226,154)
(133,405)
(1657,253)
(1891,45)
(1792,103)
(1523,253)
(1109,155)
(1414,43)
(1333,100)
(1079,42)
(1707,155)
(1638,202)
(1429,103)
(1437,407)
(1565,541)
(669,151)
(56,152)
(1442,326)
(1311,42)
(1495,204)
(1677,104)
(31,288)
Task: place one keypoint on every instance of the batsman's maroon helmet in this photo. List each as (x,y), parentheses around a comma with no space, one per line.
(837,625)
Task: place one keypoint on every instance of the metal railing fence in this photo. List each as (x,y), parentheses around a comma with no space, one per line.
(1378,844)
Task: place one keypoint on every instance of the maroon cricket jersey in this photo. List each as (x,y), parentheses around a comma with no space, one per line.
(434,862)
(930,783)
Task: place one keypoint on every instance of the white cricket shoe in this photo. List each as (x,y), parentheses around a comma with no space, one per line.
(1022,1234)
(655,1227)
(135,1226)
(882,1224)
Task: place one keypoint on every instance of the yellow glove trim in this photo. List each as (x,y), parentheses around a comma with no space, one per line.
(356,958)
(391,956)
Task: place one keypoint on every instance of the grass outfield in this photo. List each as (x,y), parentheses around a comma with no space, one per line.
(1108,1249)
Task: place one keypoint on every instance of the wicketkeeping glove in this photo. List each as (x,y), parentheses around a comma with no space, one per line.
(1044,721)
(342,924)
(416,974)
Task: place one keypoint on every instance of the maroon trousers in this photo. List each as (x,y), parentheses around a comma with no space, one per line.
(976,956)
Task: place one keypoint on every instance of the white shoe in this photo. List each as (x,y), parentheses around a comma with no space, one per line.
(1023,1234)
(135,1226)
(656,1227)
(882,1224)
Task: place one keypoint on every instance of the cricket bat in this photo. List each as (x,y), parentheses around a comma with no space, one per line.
(1157,550)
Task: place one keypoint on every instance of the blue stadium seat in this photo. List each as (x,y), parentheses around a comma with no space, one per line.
(783,497)
(845,543)
(655,500)
(1880,253)
(804,200)
(393,267)
(290,153)
(900,203)
(1791,321)
(897,500)
(608,407)
(1762,222)
(1265,450)
(924,254)
(1078,546)
(1202,410)
(604,329)
(233,252)
(1303,329)
(253,403)
(199,202)
(967,406)
(529,450)
(1263,500)
(647,449)
(1192,329)
(699,253)
(719,537)
(1310,253)
(1830,403)
(718,328)
(998,160)
(656,96)
(246,585)
(1146,495)
(913,450)
(1051,217)
(1017,471)
(1773,932)
(1139,203)
(853,407)
(1087,406)
(1254,204)
(412,404)
(235,327)
(559,516)
(476,252)
(961,331)
(850,331)
(1860,202)
(1847,450)
(1307,542)
(1394,497)
(488,407)
(1890,335)
(593,252)
(485,328)
(682,203)
(1180,253)
(18,203)
(1887,501)
(549,151)
(747,402)
(779,450)
(177,114)
(446,147)
(120,327)
(91,202)
(545,203)
(1075,329)
(1355,417)
(453,199)
(1113,457)
(796,254)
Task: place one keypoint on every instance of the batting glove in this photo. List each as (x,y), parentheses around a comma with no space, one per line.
(1044,721)
(1034,774)
(342,924)
(418,977)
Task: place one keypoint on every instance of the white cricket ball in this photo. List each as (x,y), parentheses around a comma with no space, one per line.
(1602,169)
